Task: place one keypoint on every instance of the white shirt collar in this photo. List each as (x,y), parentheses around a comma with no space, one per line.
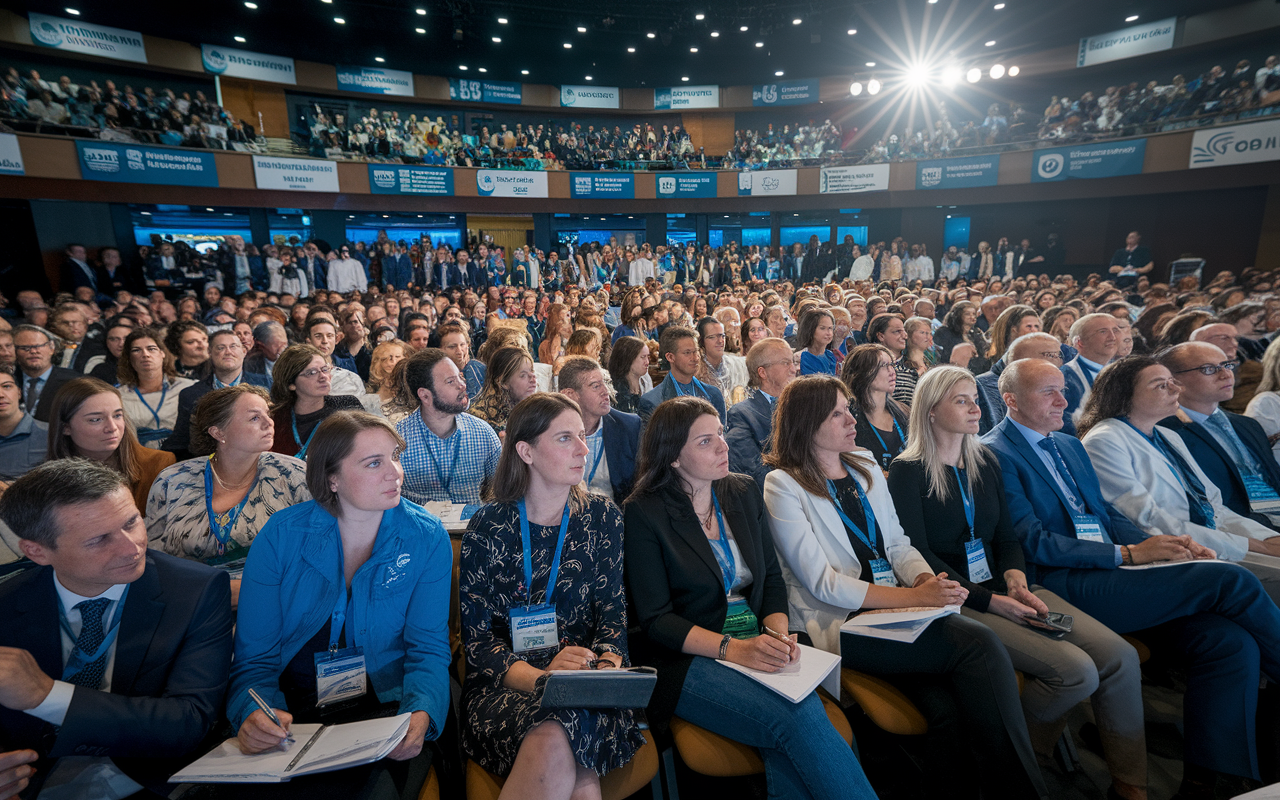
(70,599)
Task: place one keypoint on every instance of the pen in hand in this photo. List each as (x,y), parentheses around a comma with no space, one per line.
(271,714)
(782,637)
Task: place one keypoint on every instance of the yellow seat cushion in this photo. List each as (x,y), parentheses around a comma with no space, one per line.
(430,789)
(1144,652)
(887,707)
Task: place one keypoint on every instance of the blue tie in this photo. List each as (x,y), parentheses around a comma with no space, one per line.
(90,639)
(1074,496)
(1244,458)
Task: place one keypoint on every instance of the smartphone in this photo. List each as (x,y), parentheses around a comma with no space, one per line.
(1054,623)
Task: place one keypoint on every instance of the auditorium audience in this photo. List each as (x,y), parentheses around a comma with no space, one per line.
(869,377)
(150,386)
(302,398)
(679,349)
(613,436)
(750,430)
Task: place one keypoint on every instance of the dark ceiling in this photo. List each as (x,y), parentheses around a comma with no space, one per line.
(892,33)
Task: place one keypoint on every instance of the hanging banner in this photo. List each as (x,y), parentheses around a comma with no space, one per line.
(375,80)
(511,183)
(1238,144)
(1089,161)
(702,184)
(768,182)
(788,93)
(245,64)
(75,36)
(840,180)
(295,174)
(104,161)
(1150,37)
(10,156)
(590,96)
(615,185)
(958,173)
(484,91)
(686,97)
(398,179)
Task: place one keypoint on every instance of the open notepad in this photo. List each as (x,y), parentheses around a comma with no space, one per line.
(454,516)
(797,681)
(896,624)
(316,748)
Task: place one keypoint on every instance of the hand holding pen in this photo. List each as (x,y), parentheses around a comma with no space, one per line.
(265,728)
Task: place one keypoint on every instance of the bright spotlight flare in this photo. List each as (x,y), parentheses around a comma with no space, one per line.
(950,77)
(873,86)
(974,75)
(855,88)
(997,72)
(917,75)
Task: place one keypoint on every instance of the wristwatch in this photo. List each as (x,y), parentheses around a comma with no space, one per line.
(724,647)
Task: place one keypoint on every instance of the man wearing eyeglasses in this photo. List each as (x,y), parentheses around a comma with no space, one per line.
(34,349)
(1096,338)
(771,368)
(1232,450)
(1248,375)
(226,355)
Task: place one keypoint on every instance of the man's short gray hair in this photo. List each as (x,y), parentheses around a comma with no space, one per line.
(268,331)
(31,503)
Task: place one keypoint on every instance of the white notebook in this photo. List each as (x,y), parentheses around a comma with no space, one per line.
(897,625)
(1163,564)
(797,681)
(316,748)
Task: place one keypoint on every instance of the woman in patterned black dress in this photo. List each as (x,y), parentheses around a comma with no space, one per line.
(562,752)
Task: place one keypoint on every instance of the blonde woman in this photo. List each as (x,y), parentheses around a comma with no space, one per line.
(381,388)
(1265,405)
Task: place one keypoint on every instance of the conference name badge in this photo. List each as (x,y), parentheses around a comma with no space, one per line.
(534,628)
(1262,498)
(882,572)
(977,557)
(1088,528)
(340,675)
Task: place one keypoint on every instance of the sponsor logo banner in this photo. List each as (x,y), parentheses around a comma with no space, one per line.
(602,185)
(1089,161)
(590,96)
(702,184)
(246,64)
(75,36)
(787,93)
(1150,37)
(841,180)
(295,174)
(767,182)
(10,156)
(375,80)
(958,173)
(398,179)
(1238,144)
(687,97)
(511,183)
(104,161)
(484,91)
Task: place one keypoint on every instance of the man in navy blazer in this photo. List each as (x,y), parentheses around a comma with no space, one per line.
(1096,338)
(1223,624)
(1231,449)
(771,368)
(613,436)
(1030,345)
(226,354)
(108,650)
(679,346)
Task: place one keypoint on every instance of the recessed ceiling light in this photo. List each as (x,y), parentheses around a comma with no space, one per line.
(778,73)
(1131,18)
(587,77)
(497,40)
(380,59)
(931,2)
(421,11)
(1013,72)
(462,67)
(871,63)
(250,5)
(714,34)
(974,75)
(652,35)
(996,72)
(581,29)
(743,28)
(852,31)
(326,1)
(699,17)
(502,20)
(420,30)
(206,208)
(998,6)
(796,21)
(684,78)
(75,12)
(631,49)
(568,46)
(340,20)
(146,213)
(240,39)
(482,69)
(524,72)
(991,43)
(759,44)
(693,49)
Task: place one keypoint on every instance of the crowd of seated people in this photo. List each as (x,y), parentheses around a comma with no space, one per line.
(30,103)
(794,146)
(850,434)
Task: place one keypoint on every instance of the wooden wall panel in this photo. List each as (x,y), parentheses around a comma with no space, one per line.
(317,76)
(637,99)
(710,129)
(646,186)
(431,87)
(235,170)
(49,157)
(172,54)
(1168,153)
(249,99)
(538,94)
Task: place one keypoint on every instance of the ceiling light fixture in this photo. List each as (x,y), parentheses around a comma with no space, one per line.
(852,31)
(497,39)
(974,75)
(1131,18)
(950,76)
(693,49)
(462,67)
(759,44)
(588,77)
(568,46)
(380,59)
(699,17)
(240,39)
(715,34)
(581,29)
(340,20)
(991,43)
(778,73)
(996,72)
(422,12)
(524,72)
(1013,72)
(251,5)
(855,88)
(685,78)
(873,86)
(796,21)
(743,28)
(206,208)
(75,12)
(871,63)
(420,30)
(998,6)
(631,49)
(502,20)
(652,35)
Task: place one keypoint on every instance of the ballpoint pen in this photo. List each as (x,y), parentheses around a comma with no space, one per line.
(266,709)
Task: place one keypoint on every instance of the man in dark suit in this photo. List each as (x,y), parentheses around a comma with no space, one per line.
(269,341)
(679,346)
(34,349)
(226,354)
(109,650)
(793,264)
(77,271)
(612,435)
(1231,449)
(315,266)
(1218,616)
(770,367)
(816,261)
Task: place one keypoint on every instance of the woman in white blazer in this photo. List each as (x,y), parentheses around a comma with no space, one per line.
(842,551)
(1148,474)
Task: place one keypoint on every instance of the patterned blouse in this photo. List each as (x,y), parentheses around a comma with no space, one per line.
(494,408)
(178,511)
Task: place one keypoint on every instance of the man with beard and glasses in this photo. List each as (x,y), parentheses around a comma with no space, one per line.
(449,455)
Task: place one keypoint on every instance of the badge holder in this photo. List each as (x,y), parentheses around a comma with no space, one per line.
(1088,528)
(1262,498)
(340,675)
(534,628)
(974,550)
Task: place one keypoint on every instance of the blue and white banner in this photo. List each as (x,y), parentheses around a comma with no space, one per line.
(245,64)
(399,179)
(1149,37)
(375,80)
(699,184)
(75,36)
(121,163)
(601,185)
(767,182)
(787,93)
(675,97)
(511,183)
(485,91)
(1237,144)
(958,173)
(295,174)
(10,156)
(840,180)
(1089,161)
(590,96)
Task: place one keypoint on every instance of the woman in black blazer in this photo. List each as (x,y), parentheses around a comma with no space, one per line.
(704,580)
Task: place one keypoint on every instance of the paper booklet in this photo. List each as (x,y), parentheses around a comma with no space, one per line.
(896,624)
(797,681)
(316,748)
(1160,564)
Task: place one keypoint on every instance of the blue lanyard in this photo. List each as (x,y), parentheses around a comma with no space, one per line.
(155,412)
(222,532)
(723,552)
(302,453)
(869,537)
(528,559)
(339,617)
(902,437)
(217,384)
(80,659)
(967,499)
(599,455)
(1089,372)
(445,480)
(1181,470)
(694,384)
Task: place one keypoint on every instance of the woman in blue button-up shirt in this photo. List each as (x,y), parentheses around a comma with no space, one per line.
(393,561)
